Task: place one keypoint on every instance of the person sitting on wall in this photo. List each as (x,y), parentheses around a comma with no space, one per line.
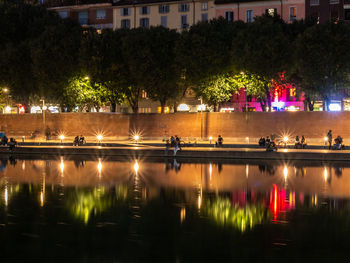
(76,141)
(48,133)
(82,140)
(220,141)
(267,141)
(297,144)
(338,143)
(12,144)
(303,142)
(4,140)
(262,142)
(172,141)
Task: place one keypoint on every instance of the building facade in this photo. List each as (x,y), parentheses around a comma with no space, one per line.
(88,13)
(177,15)
(234,10)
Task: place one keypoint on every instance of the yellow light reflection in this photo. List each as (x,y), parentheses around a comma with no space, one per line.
(285,173)
(325,174)
(182,214)
(23,165)
(210,171)
(247,170)
(41,199)
(6,196)
(136,167)
(199,202)
(62,167)
(99,166)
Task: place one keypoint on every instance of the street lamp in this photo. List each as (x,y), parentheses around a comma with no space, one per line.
(61,138)
(43,109)
(99,138)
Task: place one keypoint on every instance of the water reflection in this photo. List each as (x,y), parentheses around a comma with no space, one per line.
(150,200)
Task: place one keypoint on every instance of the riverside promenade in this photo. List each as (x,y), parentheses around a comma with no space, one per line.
(155,148)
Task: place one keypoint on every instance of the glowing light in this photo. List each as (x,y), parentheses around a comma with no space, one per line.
(23,165)
(278,104)
(201,107)
(325,138)
(7,109)
(61,137)
(334,107)
(325,174)
(41,199)
(136,167)
(210,170)
(210,138)
(86,77)
(99,137)
(247,140)
(199,202)
(227,109)
(247,170)
(99,166)
(21,110)
(6,90)
(62,166)
(35,109)
(285,139)
(44,107)
(182,214)
(285,173)
(6,196)
(136,137)
(292,108)
(183,107)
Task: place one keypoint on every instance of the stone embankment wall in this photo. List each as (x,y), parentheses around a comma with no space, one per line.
(229,125)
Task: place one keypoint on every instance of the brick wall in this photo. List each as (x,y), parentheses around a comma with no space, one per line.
(229,125)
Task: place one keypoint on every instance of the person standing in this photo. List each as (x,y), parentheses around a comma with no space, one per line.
(329,136)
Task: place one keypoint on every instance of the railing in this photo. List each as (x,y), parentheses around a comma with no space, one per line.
(57,3)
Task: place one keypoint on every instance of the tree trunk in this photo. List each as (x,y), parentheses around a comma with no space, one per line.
(268,96)
(162,106)
(175,107)
(113,107)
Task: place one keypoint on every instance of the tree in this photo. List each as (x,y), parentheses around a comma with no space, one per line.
(83,93)
(55,58)
(163,79)
(204,50)
(322,61)
(20,24)
(136,65)
(101,60)
(215,90)
(263,49)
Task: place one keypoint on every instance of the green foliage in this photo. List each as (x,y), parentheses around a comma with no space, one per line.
(84,93)
(241,218)
(322,61)
(217,89)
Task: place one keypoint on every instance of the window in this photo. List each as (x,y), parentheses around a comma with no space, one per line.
(205,17)
(164,21)
(163,9)
(144,10)
(144,22)
(144,94)
(346,14)
(83,17)
(125,23)
(314,2)
(184,21)
(125,11)
(292,13)
(271,11)
(101,13)
(63,14)
(332,2)
(249,16)
(204,6)
(184,7)
(229,16)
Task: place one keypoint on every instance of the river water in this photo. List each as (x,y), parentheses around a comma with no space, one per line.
(131,210)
